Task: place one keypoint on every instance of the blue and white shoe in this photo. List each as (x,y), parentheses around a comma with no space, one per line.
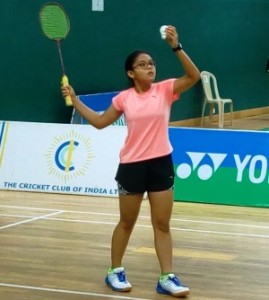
(116,280)
(170,285)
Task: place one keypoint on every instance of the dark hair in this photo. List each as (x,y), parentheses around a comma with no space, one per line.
(129,62)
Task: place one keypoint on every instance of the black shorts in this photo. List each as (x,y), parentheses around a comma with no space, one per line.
(152,175)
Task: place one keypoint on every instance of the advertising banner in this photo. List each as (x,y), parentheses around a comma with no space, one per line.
(221,166)
(59,158)
(211,165)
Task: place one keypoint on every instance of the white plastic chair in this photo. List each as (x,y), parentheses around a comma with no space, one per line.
(213,98)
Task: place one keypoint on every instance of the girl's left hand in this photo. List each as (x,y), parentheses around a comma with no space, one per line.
(171,36)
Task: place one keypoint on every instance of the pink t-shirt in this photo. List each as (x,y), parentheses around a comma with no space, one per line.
(147,117)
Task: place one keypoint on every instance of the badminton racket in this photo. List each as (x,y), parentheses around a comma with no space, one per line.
(55,25)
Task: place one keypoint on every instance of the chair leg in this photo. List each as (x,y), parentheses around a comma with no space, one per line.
(231,113)
(211,112)
(221,114)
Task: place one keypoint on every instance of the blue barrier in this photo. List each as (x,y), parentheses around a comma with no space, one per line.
(99,103)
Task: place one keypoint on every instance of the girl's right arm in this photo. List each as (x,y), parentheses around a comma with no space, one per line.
(96,120)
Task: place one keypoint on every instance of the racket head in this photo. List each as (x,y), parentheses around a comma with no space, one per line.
(54,21)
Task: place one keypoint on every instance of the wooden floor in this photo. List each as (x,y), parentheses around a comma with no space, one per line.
(58,247)
(257,122)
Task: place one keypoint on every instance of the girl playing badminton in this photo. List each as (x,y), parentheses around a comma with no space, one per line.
(145,158)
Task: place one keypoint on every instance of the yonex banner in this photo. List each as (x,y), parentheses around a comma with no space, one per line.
(211,165)
(221,166)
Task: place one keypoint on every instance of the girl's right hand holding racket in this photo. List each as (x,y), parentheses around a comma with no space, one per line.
(67,90)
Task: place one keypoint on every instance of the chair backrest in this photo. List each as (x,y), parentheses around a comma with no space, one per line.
(210,86)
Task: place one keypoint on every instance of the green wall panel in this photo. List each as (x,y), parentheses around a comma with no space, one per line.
(227,37)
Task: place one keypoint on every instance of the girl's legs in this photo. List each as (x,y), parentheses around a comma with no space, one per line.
(161,210)
(129,209)
(161,204)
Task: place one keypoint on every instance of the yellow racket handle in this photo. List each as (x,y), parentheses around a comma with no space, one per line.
(65,82)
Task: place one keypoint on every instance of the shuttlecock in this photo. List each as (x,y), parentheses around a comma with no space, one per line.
(162,31)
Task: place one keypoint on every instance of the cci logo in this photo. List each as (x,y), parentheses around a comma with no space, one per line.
(206,169)
(64,154)
(69,156)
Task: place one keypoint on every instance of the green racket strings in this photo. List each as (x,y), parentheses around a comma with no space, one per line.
(54,21)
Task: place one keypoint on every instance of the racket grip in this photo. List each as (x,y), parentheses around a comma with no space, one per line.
(68,101)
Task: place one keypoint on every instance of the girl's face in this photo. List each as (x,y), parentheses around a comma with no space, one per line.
(143,69)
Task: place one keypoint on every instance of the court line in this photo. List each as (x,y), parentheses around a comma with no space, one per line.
(28,207)
(31,220)
(63,291)
(48,217)
(223,233)
(140,217)
(172,228)
(145,226)
(15,216)
(221,223)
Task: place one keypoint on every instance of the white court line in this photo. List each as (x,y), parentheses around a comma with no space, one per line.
(172,228)
(48,217)
(264,236)
(63,291)
(138,225)
(140,217)
(145,226)
(15,216)
(31,220)
(27,208)
(221,223)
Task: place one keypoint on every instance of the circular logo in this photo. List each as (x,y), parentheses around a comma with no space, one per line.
(69,156)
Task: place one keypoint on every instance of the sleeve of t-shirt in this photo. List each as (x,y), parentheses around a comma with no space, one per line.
(117,102)
(167,86)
